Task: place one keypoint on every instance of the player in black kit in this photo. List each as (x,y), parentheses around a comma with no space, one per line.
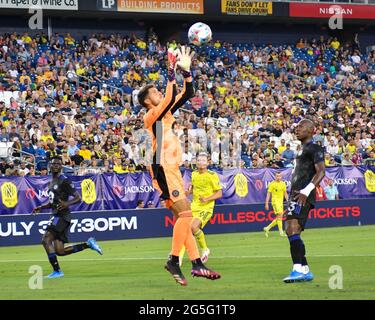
(308,173)
(59,191)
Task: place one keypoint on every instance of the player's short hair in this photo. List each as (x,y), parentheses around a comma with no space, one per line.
(143,94)
(202,154)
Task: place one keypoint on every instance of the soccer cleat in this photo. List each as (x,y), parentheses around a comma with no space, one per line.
(55,274)
(308,276)
(94,245)
(175,271)
(266,232)
(204,272)
(282,234)
(205,254)
(294,276)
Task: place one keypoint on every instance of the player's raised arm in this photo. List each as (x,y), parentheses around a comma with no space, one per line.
(184,58)
(150,98)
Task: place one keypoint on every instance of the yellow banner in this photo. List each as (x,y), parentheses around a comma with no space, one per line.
(240,183)
(161,6)
(370,181)
(88,191)
(246,7)
(9,194)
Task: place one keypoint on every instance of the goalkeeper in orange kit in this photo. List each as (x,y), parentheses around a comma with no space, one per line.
(167,158)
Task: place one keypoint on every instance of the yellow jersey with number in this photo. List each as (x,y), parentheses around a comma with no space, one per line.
(277,190)
(204,185)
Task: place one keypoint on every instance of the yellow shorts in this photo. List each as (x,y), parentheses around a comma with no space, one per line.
(203,216)
(278,208)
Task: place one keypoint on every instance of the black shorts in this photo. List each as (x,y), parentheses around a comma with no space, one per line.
(294,211)
(59,228)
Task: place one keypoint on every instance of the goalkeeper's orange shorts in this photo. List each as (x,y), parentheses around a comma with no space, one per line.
(167,179)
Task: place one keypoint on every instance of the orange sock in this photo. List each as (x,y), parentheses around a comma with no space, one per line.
(180,231)
(191,246)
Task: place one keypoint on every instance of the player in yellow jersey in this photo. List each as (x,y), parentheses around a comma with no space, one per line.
(277,189)
(205,187)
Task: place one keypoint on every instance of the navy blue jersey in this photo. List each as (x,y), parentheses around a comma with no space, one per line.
(304,170)
(60,188)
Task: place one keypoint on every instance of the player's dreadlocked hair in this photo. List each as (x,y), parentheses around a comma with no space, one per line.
(143,93)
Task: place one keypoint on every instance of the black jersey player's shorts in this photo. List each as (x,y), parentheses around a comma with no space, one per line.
(59,228)
(301,213)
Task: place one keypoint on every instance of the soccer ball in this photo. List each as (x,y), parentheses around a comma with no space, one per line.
(199,34)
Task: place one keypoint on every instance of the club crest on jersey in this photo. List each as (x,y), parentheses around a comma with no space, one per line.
(55,187)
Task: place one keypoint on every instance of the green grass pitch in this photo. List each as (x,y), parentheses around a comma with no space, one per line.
(252,267)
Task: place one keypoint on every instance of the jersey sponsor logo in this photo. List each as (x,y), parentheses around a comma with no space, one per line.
(370,181)
(88,191)
(9,194)
(240,183)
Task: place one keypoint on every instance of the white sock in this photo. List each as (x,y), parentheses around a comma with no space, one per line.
(297,267)
(305,269)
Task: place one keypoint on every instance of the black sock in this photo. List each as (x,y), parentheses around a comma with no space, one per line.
(79,247)
(304,261)
(53,261)
(174,259)
(197,262)
(296,248)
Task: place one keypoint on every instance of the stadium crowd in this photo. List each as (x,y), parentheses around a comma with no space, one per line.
(78,98)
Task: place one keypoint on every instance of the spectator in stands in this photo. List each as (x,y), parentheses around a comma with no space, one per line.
(288,154)
(4,136)
(140,204)
(150,204)
(346,161)
(248,86)
(43,171)
(320,194)
(14,134)
(77,158)
(331,191)
(3,166)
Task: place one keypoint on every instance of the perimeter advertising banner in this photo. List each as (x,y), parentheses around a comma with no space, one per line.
(19,195)
(154,6)
(44,4)
(246,7)
(148,223)
(319,10)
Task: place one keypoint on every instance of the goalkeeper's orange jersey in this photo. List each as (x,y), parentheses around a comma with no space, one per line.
(159,121)
(167,154)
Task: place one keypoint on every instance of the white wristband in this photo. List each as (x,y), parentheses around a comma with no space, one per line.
(307,190)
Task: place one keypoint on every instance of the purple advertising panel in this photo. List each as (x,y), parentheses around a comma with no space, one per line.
(146,223)
(19,195)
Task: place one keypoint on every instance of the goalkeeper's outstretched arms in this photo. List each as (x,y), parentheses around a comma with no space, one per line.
(184,58)
(153,100)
